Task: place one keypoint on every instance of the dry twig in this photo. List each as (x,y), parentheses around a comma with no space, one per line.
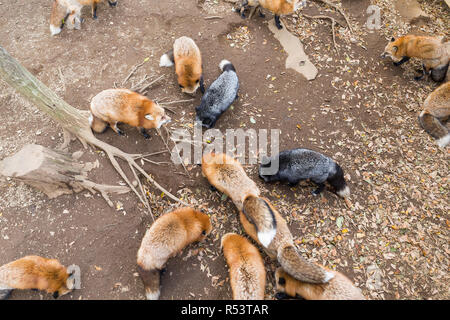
(340,11)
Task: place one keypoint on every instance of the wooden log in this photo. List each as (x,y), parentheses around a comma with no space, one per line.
(54,172)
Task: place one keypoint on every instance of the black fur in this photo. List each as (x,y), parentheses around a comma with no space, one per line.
(94,10)
(145,134)
(438,74)
(202,85)
(5,293)
(218,97)
(278,23)
(300,164)
(112,4)
(399,63)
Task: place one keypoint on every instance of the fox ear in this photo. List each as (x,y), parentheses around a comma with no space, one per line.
(395,48)
(148,116)
(393,39)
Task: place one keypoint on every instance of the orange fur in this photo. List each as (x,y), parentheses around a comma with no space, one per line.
(34,272)
(436,114)
(71,10)
(338,288)
(188,64)
(168,235)
(279,7)
(283,249)
(247,273)
(122,105)
(433,51)
(228,176)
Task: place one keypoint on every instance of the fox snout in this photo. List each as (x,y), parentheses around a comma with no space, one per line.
(383,55)
(164,120)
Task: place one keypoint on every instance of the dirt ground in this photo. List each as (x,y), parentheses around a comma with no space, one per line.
(360,110)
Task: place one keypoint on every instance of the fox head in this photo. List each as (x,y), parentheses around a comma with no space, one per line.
(285,284)
(266,163)
(391,50)
(189,72)
(205,224)
(154,116)
(66,287)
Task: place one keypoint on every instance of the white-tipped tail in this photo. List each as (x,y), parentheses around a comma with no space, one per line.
(328,276)
(165,61)
(55,30)
(152,295)
(344,193)
(91,119)
(266,237)
(442,142)
(223,63)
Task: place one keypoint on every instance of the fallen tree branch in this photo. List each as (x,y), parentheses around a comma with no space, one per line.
(72,120)
(340,11)
(54,172)
(143,88)
(133,70)
(333,24)
(174,102)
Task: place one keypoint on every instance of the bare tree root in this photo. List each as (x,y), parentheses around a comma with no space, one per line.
(333,24)
(72,120)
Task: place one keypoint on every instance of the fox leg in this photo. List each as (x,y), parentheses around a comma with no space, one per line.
(281,296)
(144,133)
(320,187)
(423,71)
(292,183)
(399,63)
(261,14)
(202,85)
(438,74)
(94,10)
(116,129)
(244,5)
(112,4)
(277,22)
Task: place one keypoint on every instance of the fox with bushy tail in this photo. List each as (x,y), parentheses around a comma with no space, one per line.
(301,164)
(34,272)
(219,96)
(281,247)
(436,114)
(338,288)
(167,236)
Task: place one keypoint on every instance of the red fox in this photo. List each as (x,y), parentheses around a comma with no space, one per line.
(227,175)
(247,272)
(277,7)
(338,288)
(122,105)
(433,51)
(436,114)
(34,272)
(167,236)
(282,246)
(69,11)
(188,64)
